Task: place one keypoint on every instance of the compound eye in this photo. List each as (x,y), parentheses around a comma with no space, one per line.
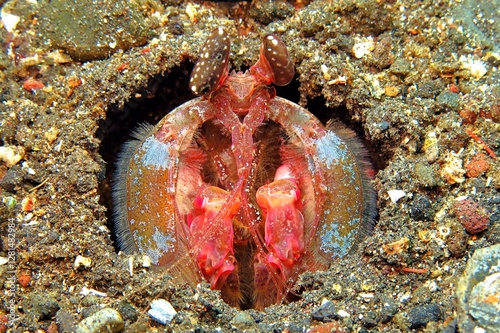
(211,68)
(276,54)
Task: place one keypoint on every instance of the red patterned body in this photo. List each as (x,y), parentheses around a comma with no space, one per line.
(241,187)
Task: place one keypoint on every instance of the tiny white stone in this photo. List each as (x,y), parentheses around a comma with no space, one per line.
(343,313)
(366,295)
(404,298)
(162,311)
(146,261)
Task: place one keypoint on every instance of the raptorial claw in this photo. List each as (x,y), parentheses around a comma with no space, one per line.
(215,252)
(284,224)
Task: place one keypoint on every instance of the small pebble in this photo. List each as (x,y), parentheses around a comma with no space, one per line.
(9,202)
(12,179)
(383,126)
(65,321)
(127,311)
(343,313)
(468,115)
(448,100)
(457,243)
(425,174)
(396,247)
(326,312)
(477,291)
(419,316)
(105,320)
(471,215)
(91,33)
(242,321)
(162,311)
(369,320)
(389,309)
(28,204)
(41,305)
(477,67)
(485,303)
(400,66)
(429,89)
(421,209)
(363,47)
(477,166)
(391,91)
(24,279)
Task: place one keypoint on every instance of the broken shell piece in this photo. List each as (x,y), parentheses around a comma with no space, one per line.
(338,80)
(452,169)
(162,311)
(82,261)
(426,235)
(395,195)
(11,155)
(476,67)
(86,291)
(397,246)
(431,147)
(10,21)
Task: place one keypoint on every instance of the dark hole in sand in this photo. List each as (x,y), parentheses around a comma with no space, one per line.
(166,92)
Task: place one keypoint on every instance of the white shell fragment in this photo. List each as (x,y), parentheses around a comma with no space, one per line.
(10,21)
(81,261)
(162,311)
(476,67)
(11,155)
(363,46)
(395,195)
(86,291)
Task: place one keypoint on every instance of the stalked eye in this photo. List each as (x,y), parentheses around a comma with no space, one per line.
(211,68)
(276,54)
